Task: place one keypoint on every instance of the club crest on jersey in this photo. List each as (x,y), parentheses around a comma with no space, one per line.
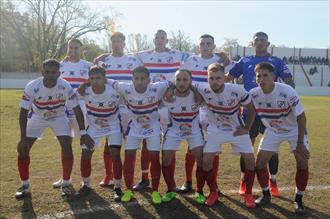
(83,72)
(111,104)
(269,105)
(220,103)
(71,72)
(281,104)
(140,102)
(119,66)
(169,59)
(194,107)
(183,108)
(59,96)
(129,65)
(101,104)
(231,102)
(151,99)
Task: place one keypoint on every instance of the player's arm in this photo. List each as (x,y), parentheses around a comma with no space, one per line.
(85,139)
(197,95)
(301,149)
(23,116)
(169,93)
(224,58)
(100,58)
(249,120)
(289,81)
(229,78)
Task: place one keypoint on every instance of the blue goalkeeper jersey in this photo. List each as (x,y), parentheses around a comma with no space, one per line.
(245,66)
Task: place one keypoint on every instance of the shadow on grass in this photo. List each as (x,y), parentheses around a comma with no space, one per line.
(310,212)
(92,206)
(27,210)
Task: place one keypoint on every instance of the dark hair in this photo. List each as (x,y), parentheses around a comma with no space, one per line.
(185,70)
(51,62)
(118,34)
(141,69)
(215,67)
(207,36)
(161,31)
(75,40)
(95,69)
(264,65)
(260,34)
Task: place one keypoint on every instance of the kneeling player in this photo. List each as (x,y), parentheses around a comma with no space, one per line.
(184,125)
(226,125)
(282,113)
(102,104)
(48,96)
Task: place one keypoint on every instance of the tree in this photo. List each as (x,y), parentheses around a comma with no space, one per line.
(137,42)
(228,44)
(44,31)
(180,41)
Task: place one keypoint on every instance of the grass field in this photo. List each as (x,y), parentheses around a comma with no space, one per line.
(45,202)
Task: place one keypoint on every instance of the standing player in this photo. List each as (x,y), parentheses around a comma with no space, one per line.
(102,103)
(162,64)
(142,100)
(225,125)
(75,71)
(245,68)
(184,125)
(281,111)
(119,67)
(48,97)
(198,64)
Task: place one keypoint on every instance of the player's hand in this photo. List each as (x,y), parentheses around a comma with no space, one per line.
(66,58)
(241,131)
(302,150)
(88,141)
(22,149)
(82,88)
(169,94)
(100,58)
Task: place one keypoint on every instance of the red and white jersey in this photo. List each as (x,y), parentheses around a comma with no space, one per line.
(184,116)
(120,68)
(198,67)
(224,108)
(75,73)
(143,108)
(279,109)
(162,65)
(48,103)
(102,110)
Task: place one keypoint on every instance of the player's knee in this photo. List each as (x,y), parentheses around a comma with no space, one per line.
(115,153)
(302,163)
(207,164)
(249,163)
(260,163)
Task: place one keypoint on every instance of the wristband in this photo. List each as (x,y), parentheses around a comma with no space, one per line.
(83,132)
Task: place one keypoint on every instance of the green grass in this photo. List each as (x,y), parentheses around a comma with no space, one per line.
(45,168)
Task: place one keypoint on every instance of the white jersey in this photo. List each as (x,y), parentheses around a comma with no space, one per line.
(162,65)
(120,68)
(198,67)
(48,103)
(184,116)
(75,73)
(224,108)
(143,107)
(102,110)
(279,109)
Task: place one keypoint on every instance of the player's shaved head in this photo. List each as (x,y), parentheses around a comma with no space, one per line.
(184,70)
(141,70)
(119,35)
(160,31)
(75,40)
(207,36)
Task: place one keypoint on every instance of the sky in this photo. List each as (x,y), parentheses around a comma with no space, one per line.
(303,24)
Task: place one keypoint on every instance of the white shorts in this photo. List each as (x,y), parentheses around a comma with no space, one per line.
(271,141)
(203,118)
(36,126)
(113,139)
(75,130)
(133,143)
(239,144)
(173,142)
